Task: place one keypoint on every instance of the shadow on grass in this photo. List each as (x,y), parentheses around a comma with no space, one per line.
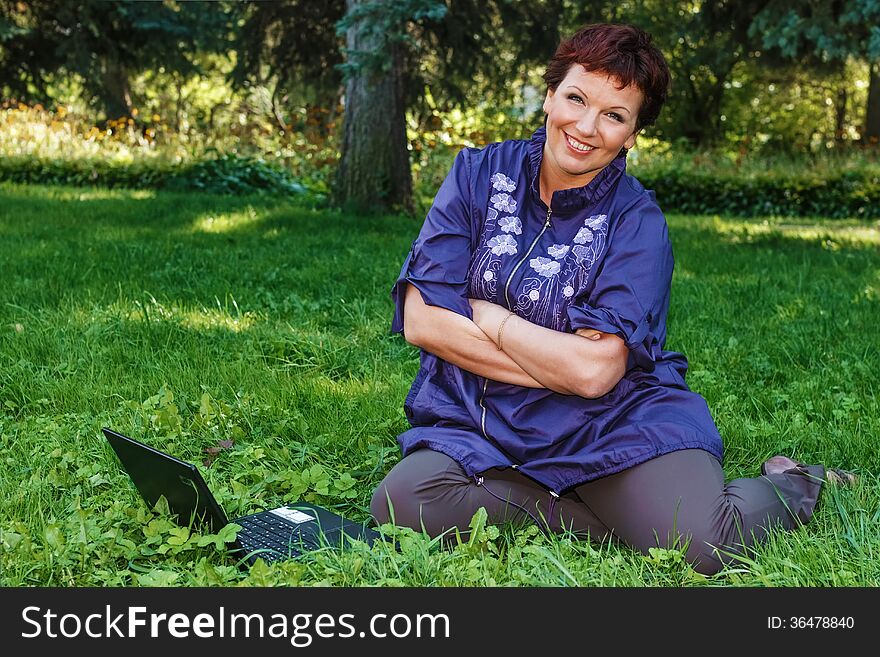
(273,257)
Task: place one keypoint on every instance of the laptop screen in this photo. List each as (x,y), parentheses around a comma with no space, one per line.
(156,473)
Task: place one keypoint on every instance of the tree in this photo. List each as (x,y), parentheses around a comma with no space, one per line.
(703,43)
(103,42)
(394,56)
(374,169)
(831,32)
(399,52)
(291,47)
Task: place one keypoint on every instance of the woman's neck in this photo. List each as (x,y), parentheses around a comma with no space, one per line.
(551,182)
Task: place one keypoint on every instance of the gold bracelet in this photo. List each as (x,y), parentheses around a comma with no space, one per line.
(501,328)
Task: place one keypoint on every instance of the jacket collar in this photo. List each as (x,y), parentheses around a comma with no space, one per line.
(575,198)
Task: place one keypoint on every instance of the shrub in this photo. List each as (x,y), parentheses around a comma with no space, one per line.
(850,194)
(39,146)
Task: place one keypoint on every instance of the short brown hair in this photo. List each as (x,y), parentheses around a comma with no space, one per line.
(625,53)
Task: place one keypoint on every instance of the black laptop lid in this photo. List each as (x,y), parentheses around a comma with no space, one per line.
(156,473)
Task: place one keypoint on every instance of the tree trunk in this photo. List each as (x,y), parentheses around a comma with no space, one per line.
(840,115)
(115,90)
(871,135)
(374,169)
(178,86)
(276,111)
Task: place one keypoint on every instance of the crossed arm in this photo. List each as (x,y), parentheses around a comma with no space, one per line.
(587,363)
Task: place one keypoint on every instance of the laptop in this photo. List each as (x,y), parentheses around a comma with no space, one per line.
(285,532)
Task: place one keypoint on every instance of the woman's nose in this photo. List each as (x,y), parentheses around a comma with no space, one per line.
(587,123)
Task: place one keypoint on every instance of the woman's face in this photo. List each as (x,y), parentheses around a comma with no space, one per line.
(588,121)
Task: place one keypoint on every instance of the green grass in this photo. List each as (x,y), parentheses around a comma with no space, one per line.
(184,320)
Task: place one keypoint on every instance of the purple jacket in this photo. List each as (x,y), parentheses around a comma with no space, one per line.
(598,258)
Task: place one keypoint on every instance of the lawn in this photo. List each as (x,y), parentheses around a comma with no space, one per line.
(251,336)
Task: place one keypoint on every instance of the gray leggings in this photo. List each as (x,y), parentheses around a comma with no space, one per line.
(675,500)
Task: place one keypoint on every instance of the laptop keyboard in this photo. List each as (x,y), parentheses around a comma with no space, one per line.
(278,538)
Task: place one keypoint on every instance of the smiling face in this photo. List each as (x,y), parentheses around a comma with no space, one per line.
(588,121)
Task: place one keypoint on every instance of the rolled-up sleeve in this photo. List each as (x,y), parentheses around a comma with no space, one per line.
(630,295)
(437,264)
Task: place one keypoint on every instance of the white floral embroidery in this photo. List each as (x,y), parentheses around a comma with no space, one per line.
(567,291)
(584,235)
(511,225)
(488,276)
(501,244)
(504,202)
(534,295)
(595,221)
(544,266)
(558,251)
(503,183)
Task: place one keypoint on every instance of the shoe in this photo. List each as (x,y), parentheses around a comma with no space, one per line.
(838,477)
(833,476)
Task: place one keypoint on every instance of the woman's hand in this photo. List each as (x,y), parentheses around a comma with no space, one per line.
(590,334)
(460,341)
(559,361)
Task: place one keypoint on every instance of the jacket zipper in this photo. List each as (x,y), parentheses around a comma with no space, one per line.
(524,258)
(507,299)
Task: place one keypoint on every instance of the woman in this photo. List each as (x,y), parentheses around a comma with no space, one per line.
(537,291)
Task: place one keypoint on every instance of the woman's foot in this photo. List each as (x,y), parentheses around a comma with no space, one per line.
(838,477)
(834,476)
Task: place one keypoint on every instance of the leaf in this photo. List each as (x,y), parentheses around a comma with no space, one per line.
(259,574)
(157,578)
(345,482)
(10,539)
(213,452)
(178,536)
(477,524)
(297,484)
(228,533)
(54,537)
(157,527)
(206,539)
(206,410)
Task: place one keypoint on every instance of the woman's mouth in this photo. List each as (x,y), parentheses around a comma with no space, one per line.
(576,145)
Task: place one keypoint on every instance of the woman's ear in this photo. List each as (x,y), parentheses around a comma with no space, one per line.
(547,100)
(631,140)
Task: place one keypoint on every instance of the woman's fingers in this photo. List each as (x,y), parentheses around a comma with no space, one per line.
(589,334)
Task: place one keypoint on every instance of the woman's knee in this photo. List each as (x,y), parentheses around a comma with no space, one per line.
(390,500)
(420,492)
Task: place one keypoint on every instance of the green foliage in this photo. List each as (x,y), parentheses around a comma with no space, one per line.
(55,148)
(702,43)
(292,48)
(223,174)
(844,195)
(792,110)
(829,31)
(104,43)
(231,174)
(382,25)
(260,80)
(59,148)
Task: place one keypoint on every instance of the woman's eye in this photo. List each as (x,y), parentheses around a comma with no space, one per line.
(575,98)
(617,117)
